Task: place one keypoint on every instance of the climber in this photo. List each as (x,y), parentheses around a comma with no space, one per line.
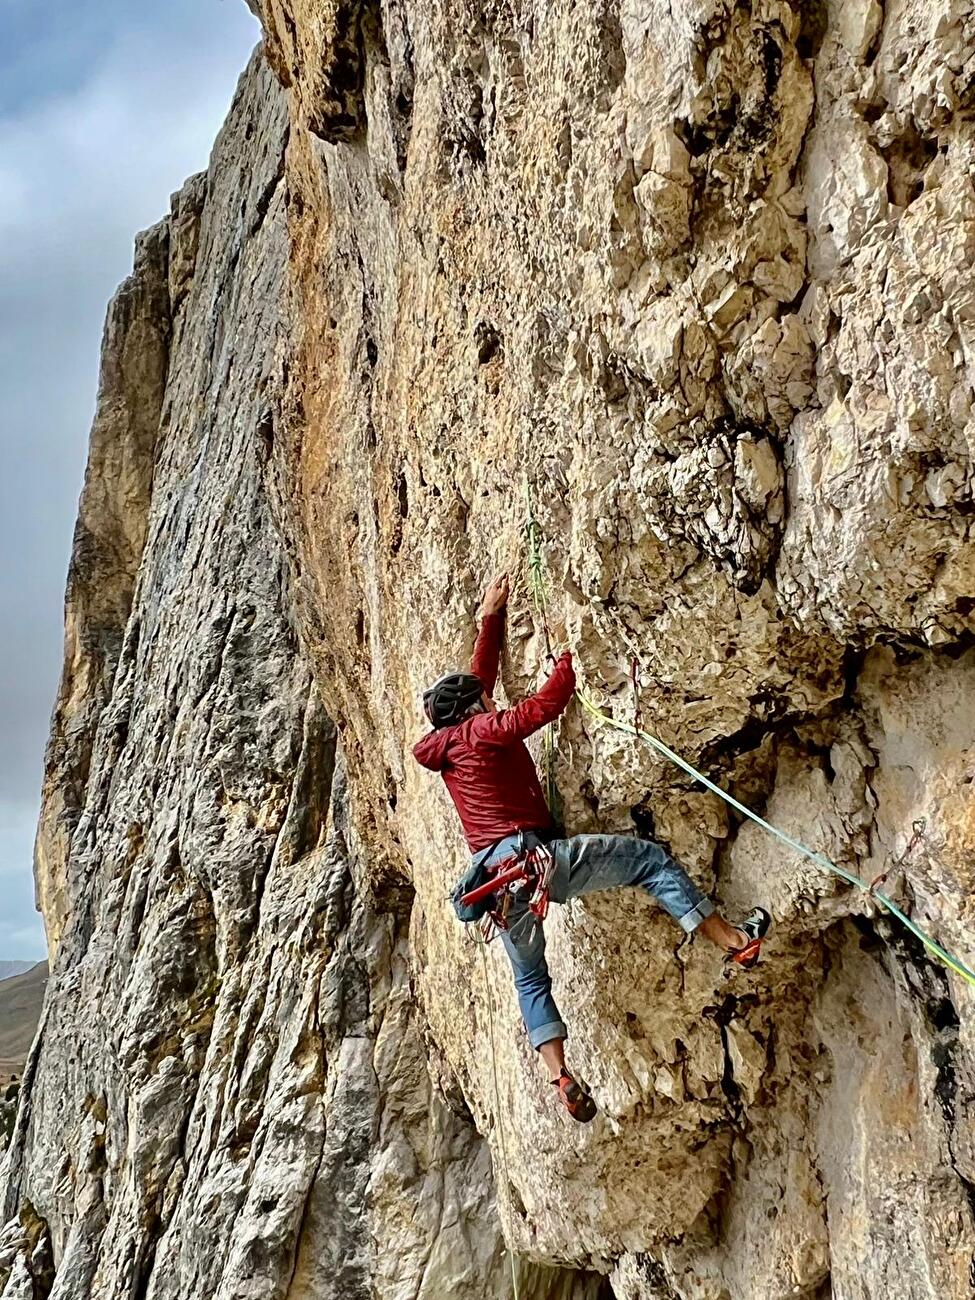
(479,751)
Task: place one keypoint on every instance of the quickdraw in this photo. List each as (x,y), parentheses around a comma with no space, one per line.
(918,827)
(635,682)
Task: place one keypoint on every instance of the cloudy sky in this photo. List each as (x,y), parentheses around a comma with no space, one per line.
(105,107)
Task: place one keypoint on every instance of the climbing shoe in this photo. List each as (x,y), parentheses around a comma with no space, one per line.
(756,926)
(574,1098)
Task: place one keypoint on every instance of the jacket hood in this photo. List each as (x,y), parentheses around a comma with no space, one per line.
(431,751)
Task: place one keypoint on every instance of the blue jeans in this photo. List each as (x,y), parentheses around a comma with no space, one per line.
(584,864)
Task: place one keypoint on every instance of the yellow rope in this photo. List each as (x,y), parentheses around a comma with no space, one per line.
(535,567)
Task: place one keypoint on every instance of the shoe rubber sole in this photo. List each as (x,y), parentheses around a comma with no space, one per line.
(756,926)
(576,1101)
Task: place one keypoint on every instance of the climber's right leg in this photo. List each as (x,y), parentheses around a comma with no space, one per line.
(720,932)
(587,863)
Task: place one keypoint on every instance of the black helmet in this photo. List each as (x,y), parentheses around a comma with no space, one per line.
(449,698)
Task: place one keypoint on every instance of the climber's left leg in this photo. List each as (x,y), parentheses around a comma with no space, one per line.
(524,942)
(553,1056)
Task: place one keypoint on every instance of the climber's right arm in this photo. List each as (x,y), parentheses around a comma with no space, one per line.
(530,714)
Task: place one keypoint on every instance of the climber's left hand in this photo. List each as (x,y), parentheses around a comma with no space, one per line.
(496,596)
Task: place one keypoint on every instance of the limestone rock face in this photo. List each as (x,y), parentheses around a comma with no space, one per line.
(229,1094)
(109,536)
(698,274)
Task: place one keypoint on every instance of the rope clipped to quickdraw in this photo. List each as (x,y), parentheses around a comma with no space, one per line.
(953,963)
(918,827)
(537,582)
(534,532)
(635,730)
(482,946)
(635,681)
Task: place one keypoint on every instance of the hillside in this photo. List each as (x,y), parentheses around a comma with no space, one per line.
(21,1000)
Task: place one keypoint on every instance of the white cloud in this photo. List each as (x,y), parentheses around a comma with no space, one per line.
(105,157)
(81,171)
(21,934)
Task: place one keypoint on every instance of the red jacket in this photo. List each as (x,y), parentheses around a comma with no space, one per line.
(483,760)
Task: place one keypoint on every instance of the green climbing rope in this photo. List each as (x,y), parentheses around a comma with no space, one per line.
(537,583)
(498,1118)
(638,733)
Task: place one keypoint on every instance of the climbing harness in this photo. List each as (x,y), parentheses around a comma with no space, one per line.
(637,732)
(529,868)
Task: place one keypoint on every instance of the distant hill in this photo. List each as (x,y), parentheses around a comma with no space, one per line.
(21,999)
(10,968)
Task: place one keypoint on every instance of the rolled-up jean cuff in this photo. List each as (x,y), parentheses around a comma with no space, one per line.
(546,1033)
(692,919)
